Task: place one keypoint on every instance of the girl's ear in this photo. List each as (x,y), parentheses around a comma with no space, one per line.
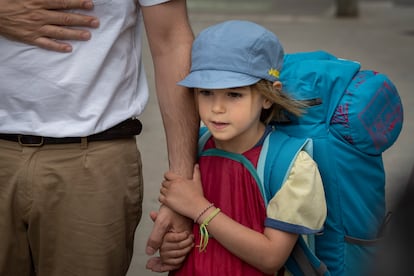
(278,85)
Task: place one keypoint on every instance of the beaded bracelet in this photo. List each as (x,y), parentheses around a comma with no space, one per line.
(204,232)
(202,212)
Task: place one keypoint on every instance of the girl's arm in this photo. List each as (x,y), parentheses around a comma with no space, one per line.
(266,251)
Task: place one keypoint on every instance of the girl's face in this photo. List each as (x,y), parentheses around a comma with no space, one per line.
(233,116)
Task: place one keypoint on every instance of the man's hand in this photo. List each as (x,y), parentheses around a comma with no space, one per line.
(43,22)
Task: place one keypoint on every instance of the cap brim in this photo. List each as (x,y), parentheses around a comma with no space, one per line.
(213,79)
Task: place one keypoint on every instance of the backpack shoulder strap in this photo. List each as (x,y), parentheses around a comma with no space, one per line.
(203,135)
(303,261)
(238,158)
(276,159)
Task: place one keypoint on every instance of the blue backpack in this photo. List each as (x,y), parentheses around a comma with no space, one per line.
(353,116)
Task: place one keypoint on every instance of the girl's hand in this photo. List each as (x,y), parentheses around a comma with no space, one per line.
(173,250)
(185,196)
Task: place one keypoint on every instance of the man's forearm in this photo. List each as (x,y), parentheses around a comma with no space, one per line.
(170,38)
(181,124)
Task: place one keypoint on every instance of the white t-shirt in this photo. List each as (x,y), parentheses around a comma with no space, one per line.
(101,83)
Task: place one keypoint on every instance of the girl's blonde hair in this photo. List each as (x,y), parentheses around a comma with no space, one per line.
(282,102)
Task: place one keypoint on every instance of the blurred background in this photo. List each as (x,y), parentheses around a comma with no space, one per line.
(378,34)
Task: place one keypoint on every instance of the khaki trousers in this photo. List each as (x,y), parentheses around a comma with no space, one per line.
(69,209)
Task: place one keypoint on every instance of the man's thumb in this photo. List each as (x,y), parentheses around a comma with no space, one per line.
(153,215)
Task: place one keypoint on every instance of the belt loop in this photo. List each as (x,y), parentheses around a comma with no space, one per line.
(38,143)
(84,143)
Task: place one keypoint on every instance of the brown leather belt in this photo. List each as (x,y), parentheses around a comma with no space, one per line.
(126,129)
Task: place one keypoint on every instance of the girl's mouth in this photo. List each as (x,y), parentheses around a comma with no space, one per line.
(219,125)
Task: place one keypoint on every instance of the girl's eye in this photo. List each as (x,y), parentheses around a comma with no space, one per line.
(205,92)
(234,95)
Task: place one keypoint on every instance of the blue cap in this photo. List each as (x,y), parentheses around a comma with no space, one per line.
(233,54)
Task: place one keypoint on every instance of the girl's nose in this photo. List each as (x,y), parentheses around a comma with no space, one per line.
(218,105)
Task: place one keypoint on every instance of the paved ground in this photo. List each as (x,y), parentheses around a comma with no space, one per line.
(382,38)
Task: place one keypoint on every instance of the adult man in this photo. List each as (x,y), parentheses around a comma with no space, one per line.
(70,172)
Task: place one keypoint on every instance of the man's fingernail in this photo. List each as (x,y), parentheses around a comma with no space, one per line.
(86,35)
(150,251)
(88,4)
(67,48)
(95,23)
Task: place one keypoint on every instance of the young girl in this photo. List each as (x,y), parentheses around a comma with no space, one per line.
(235,75)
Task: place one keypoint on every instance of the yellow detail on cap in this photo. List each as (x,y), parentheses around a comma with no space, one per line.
(273,72)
